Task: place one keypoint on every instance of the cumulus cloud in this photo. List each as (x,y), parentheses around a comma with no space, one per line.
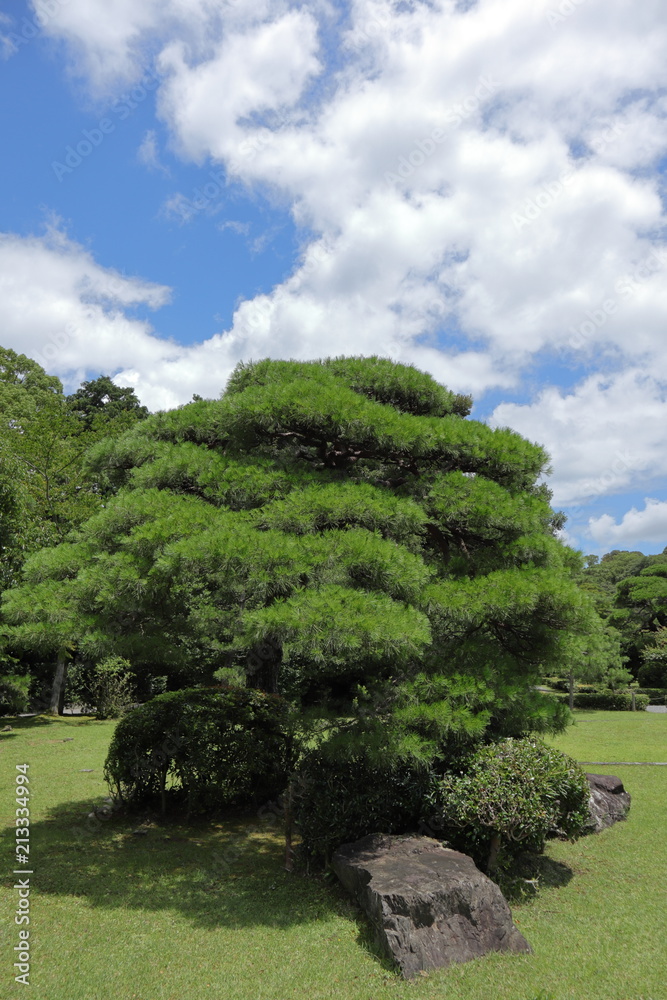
(476,163)
(443,157)
(604,436)
(646,526)
(63,309)
(488,168)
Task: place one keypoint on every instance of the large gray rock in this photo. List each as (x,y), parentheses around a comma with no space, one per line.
(430,906)
(609,801)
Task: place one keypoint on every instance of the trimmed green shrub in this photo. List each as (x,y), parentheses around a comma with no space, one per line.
(610,701)
(656,696)
(563,684)
(512,794)
(14,694)
(207,748)
(652,673)
(345,792)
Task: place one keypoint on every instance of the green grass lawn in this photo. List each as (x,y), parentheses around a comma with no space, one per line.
(154,917)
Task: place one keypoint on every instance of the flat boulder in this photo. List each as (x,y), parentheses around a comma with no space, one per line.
(430,906)
(608,802)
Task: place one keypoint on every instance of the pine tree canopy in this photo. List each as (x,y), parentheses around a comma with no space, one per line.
(338,531)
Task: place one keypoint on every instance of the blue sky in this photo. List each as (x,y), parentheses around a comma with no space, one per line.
(477,189)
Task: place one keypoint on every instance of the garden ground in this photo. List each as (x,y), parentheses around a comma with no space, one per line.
(158,915)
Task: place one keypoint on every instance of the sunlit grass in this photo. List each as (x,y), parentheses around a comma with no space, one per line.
(156,916)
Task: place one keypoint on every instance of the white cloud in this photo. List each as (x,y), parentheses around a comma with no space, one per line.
(148,152)
(646,526)
(444,237)
(240,228)
(467,167)
(59,306)
(252,71)
(603,437)
(509,97)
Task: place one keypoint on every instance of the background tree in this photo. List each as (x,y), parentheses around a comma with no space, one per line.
(653,669)
(100,401)
(342,532)
(46,491)
(630,592)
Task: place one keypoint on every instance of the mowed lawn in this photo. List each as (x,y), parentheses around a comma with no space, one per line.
(153,916)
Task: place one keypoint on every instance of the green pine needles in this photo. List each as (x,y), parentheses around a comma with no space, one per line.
(339,532)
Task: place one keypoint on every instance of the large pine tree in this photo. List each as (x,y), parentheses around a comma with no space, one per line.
(336,530)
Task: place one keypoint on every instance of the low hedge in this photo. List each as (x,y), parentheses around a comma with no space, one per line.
(205,747)
(656,696)
(563,684)
(610,701)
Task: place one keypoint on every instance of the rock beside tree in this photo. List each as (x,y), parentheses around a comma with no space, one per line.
(430,906)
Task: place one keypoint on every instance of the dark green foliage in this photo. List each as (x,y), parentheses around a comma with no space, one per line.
(653,669)
(14,694)
(656,696)
(205,748)
(653,673)
(630,590)
(610,701)
(346,517)
(563,684)
(102,398)
(111,687)
(511,794)
(346,790)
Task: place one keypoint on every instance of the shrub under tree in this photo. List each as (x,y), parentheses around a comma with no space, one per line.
(202,749)
(511,796)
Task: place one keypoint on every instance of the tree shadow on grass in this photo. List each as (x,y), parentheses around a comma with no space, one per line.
(228,872)
(530,874)
(26,722)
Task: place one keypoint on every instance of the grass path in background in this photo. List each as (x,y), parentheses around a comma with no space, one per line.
(115,916)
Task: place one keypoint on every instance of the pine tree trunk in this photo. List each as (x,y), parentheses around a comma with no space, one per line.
(266,660)
(494,848)
(58,690)
(288,829)
(571,680)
